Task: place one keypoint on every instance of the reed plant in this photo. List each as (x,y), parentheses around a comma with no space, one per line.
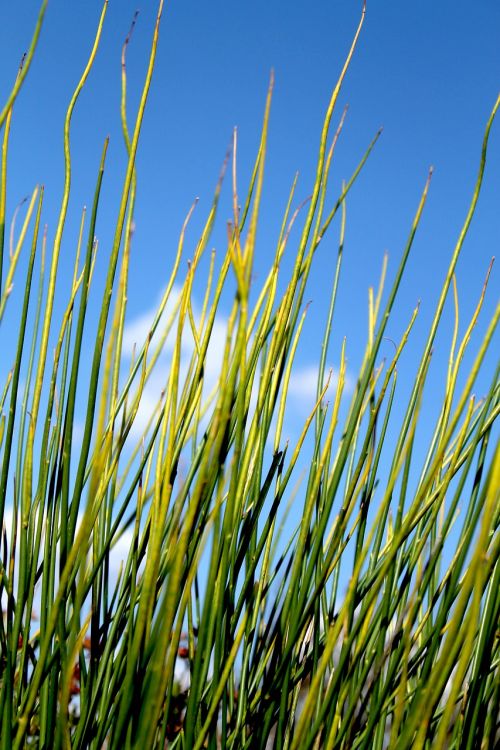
(276,653)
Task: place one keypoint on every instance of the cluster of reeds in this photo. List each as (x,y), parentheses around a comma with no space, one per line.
(406,657)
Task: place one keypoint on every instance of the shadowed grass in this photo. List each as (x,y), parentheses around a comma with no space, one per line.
(215,576)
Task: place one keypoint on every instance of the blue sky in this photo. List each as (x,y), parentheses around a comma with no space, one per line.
(428,72)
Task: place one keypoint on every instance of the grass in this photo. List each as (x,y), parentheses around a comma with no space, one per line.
(407,658)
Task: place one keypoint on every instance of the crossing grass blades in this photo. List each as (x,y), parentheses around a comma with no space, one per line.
(277,652)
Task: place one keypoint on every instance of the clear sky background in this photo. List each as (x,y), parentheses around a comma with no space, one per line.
(428,72)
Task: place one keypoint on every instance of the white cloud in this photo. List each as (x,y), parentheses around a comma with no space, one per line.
(304,383)
(117,557)
(135,334)
(137,330)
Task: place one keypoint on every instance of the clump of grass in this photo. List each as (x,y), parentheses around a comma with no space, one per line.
(407,658)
